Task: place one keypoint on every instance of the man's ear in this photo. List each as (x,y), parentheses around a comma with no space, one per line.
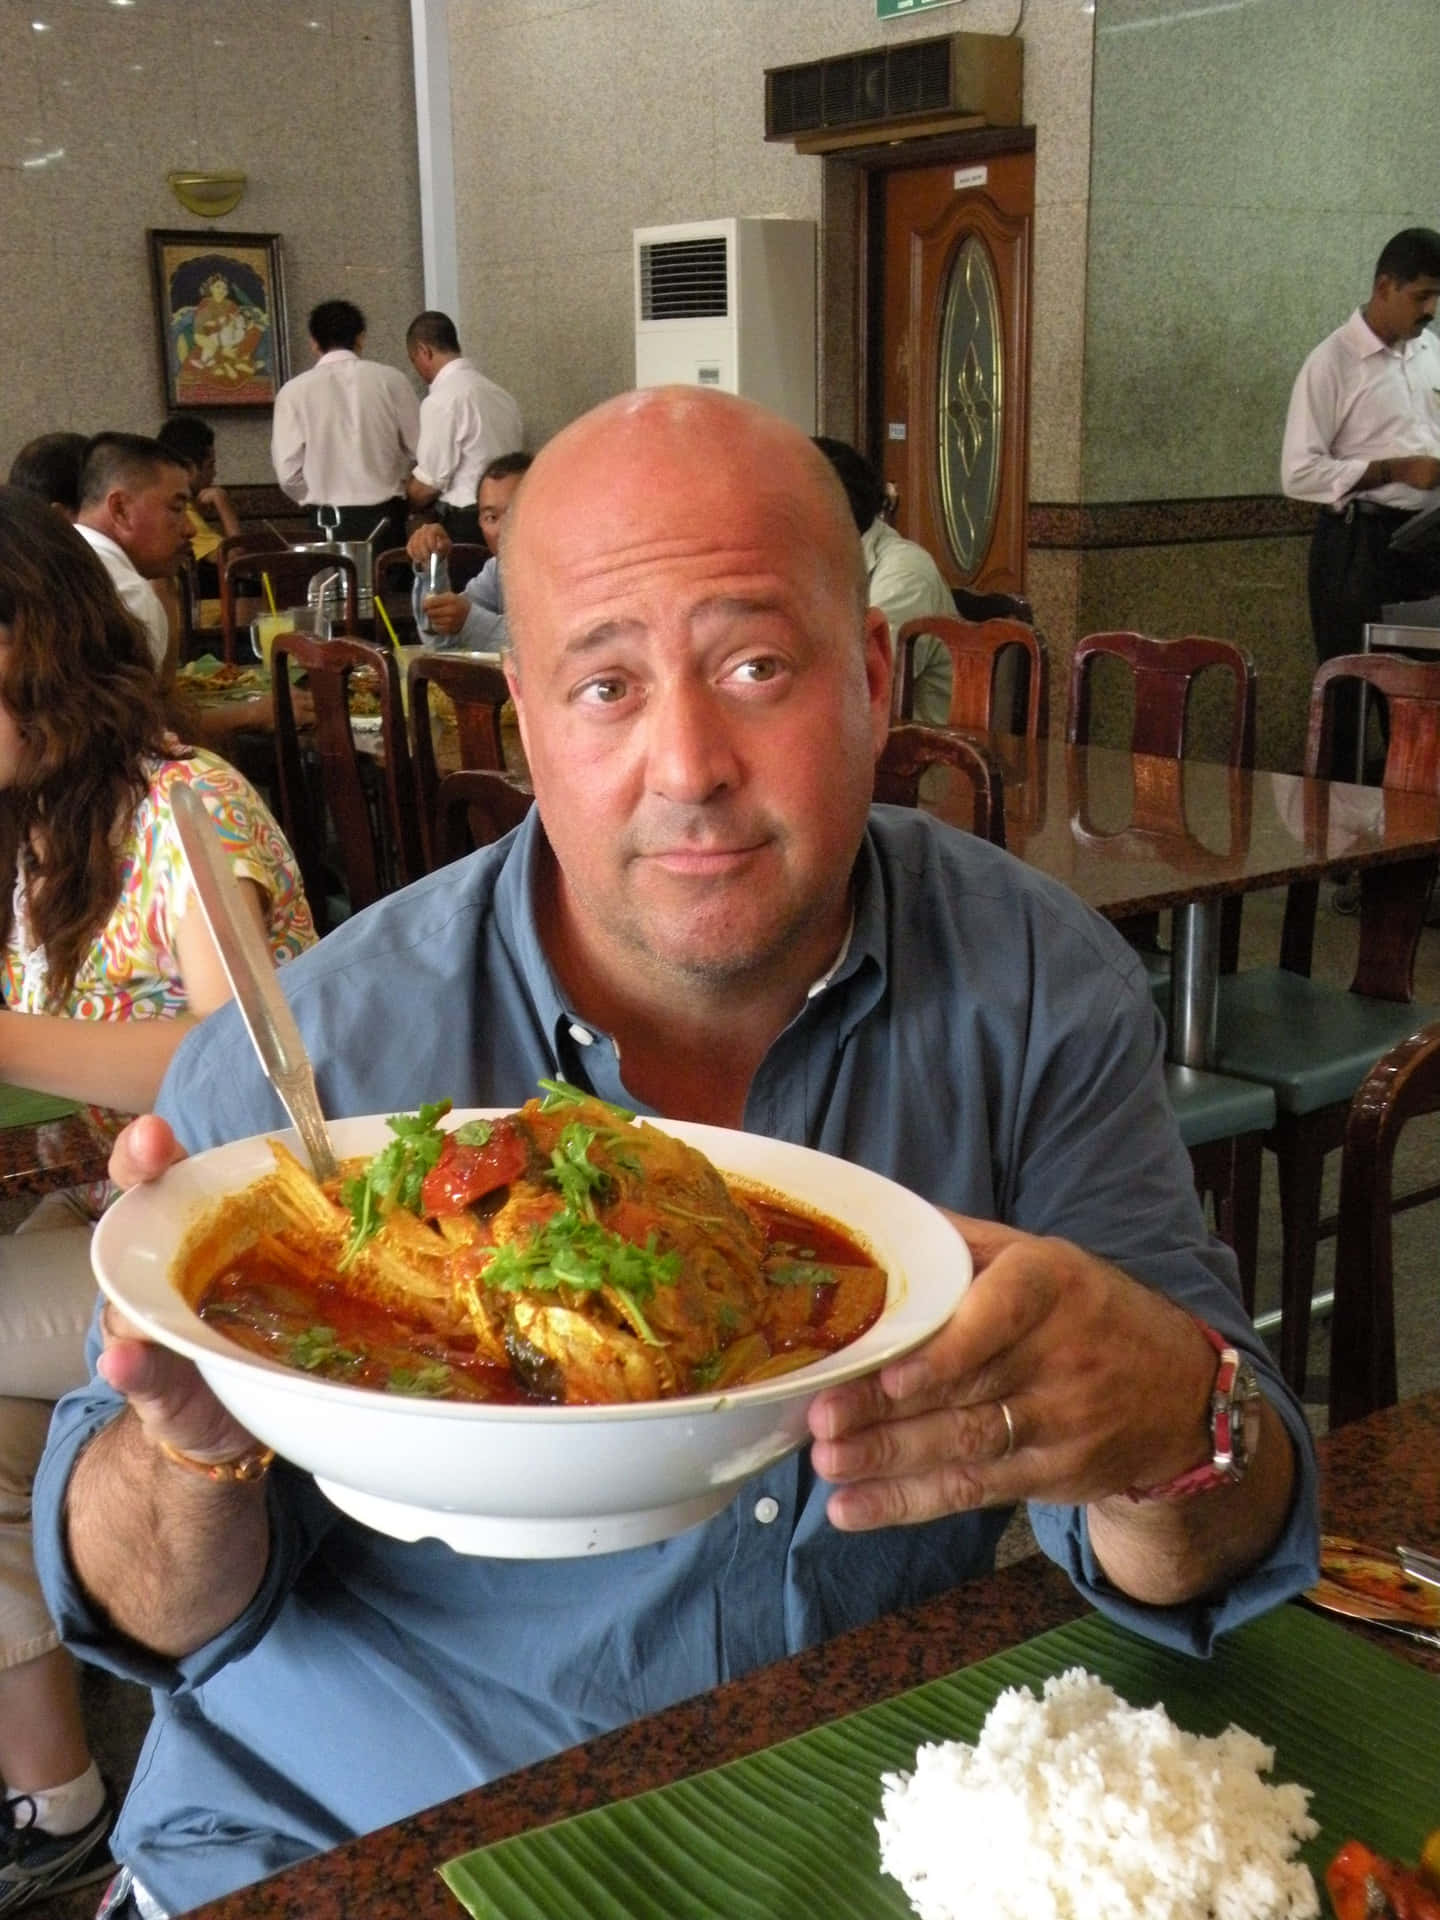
(117,506)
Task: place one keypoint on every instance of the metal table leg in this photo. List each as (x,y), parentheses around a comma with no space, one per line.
(1195,983)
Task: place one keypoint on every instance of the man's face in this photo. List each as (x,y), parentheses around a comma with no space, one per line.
(150,520)
(493,502)
(700,699)
(1401,309)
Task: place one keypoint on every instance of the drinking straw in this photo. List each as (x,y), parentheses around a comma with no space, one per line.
(389,628)
(269,592)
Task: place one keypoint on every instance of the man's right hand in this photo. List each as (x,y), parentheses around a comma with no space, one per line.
(431,538)
(1420,470)
(165,1391)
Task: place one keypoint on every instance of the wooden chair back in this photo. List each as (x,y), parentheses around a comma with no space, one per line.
(478,692)
(236,546)
(1399,1088)
(910,751)
(976,649)
(370,803)
(1392,906)
(474,807)
(289,575)
(1164,673)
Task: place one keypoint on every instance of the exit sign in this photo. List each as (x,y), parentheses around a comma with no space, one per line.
(894,9)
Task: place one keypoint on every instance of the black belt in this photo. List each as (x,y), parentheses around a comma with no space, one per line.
(1375,509)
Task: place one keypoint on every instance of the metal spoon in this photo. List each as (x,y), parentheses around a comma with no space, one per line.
(251,973)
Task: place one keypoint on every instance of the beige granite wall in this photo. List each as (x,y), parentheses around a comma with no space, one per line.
(576,121)
(1250,159)
(100,99)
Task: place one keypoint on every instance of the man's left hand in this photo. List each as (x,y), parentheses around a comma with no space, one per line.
(1107,1384)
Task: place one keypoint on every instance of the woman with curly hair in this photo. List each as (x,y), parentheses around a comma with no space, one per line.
(105,961)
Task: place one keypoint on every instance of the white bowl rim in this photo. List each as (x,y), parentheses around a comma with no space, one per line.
(901,1326)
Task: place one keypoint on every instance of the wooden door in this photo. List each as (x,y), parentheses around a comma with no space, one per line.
(950,405)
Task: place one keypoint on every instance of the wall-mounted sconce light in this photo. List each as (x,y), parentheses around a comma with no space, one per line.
(207,194)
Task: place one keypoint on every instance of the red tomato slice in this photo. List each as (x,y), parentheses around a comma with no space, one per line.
(464,1174)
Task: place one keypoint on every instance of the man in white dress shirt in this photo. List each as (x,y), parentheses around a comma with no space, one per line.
(1362,441)
(345,431)
(466,421)
(134,498)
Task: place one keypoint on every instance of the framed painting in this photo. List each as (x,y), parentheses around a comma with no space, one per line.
(220,303)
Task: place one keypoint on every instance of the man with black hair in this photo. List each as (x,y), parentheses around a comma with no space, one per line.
(1362,440)
(133,502)
(473,619)
(466,421)
(49,467)
(904,582)
(192,441)
(345,431)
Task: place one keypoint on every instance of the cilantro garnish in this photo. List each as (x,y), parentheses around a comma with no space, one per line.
(431,1381)
(395,1176)
(560,1093)
(798,1273)
(574,1173)
(474,1133)
(318,1348)
(572,1250)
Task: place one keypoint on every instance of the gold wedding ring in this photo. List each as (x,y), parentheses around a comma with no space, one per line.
(1009,1431)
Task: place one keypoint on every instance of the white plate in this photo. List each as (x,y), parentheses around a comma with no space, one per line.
(531,1481)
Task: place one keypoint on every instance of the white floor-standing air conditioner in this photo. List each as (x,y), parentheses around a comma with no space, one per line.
(730,304)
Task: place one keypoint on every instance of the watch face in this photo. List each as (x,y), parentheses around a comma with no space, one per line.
(1245,1398)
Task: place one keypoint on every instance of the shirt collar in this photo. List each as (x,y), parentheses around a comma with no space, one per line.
(861,959)
(1363,341)
(336,354)
(104,543)
(458,365)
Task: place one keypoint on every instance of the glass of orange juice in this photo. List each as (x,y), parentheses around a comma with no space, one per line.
(263,631)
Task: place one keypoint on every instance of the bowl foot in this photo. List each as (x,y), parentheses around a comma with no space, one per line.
(505,1538)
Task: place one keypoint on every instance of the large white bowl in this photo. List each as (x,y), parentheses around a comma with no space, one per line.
(531,1482)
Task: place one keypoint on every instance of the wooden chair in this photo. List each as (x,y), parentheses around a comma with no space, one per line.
(910,751)
(237,546)
(289,574)
(1313,1043)
(375,832)
(1402,1085)
(394,573)
(1164,673)
(977,650)
(474,807)
(479,693)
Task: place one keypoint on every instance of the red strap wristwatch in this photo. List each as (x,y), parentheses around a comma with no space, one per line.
(1235,1402)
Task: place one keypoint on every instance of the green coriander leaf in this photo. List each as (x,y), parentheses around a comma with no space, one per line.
(474,1133)
(560,1093)
(798,1273)
(432,1380)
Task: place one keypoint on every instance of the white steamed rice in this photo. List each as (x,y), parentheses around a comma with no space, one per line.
(1080,1807)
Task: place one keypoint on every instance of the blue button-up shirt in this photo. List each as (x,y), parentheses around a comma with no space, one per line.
(986,1040)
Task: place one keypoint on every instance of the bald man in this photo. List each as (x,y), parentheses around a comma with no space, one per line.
(703,917)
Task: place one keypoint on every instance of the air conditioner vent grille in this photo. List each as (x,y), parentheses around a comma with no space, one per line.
(684,279)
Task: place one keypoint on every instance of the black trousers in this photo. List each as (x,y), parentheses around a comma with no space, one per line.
(461,523)
(358,523)
(1353,573)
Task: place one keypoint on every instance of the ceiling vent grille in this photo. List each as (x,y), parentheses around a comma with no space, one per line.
(974,76)
(684,279)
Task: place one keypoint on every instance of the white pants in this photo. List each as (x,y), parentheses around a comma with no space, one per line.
(47,1295)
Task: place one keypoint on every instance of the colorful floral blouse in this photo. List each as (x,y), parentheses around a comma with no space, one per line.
(132,971)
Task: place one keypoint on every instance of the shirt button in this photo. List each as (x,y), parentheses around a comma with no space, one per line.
(582,1036)
(766,1509)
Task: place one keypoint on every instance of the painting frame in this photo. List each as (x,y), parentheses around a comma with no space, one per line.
(220,314)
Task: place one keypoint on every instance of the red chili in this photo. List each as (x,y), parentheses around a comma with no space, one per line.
(1365,1886)
(464,1174)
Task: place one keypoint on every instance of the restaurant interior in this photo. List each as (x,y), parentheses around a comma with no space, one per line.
(1203,187)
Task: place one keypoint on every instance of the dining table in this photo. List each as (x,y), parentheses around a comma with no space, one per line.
(48,1144)
(1136,833)
(1380,1482)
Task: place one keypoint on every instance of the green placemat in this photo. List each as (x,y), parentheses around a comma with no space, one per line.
(19,1107)
(790,1831)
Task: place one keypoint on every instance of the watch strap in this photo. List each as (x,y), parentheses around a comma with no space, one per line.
(1229,1454)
